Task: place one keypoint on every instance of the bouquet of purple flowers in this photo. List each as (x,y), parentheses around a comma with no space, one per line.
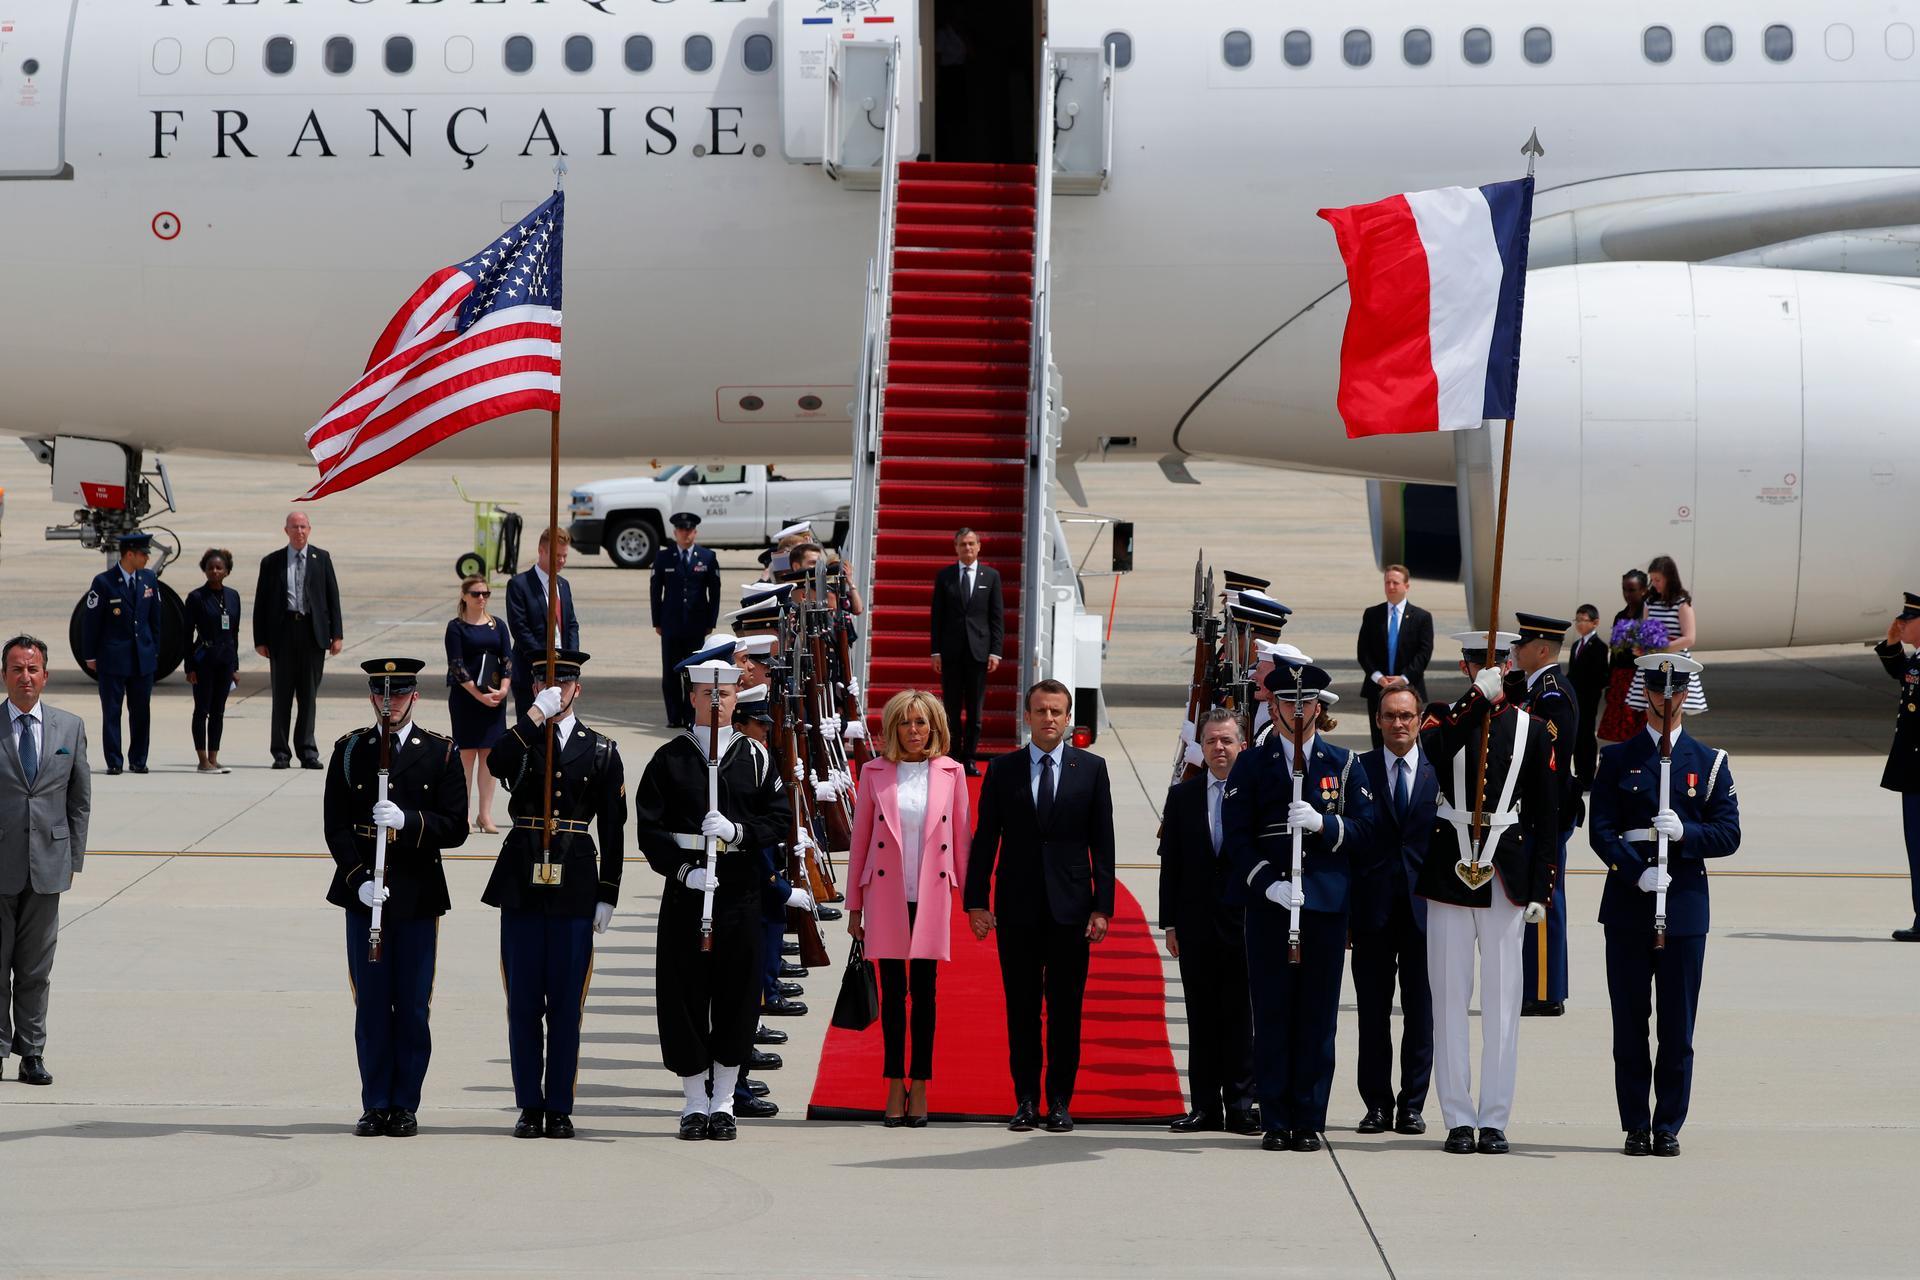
(1639,635)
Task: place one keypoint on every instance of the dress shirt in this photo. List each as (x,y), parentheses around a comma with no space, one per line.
(1655,733)
(968,577)
(1216,788)
(910,795)
(1396,618)
(1059,754)
(1534,678)
(296,580)
(1286,745)
(39,730)
(1411,762)
(564,726)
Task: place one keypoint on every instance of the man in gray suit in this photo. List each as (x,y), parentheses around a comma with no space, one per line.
(45,797)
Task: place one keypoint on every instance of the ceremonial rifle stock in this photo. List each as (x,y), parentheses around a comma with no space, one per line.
(820,743)
(713,802)
(801,920)
(1197,700)
(1666,801)
(379,829)
(1299,793)
(851,712)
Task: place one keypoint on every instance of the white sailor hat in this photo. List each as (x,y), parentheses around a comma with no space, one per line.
(1474,643)
(1667,675)
(755,592)
(751,704)
(1280,652)
(759,645)
(803,526)
(713,663)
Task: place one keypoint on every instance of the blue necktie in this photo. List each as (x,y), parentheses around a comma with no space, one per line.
(1393,637)
(1043,803)
(1400,770)
(29,758)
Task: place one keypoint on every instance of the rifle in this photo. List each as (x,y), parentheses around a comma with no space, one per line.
(1299,793)
(1199,685)
(823,748)
(380,830)
(800,920)
(850,709)
(790,728)
(1664,668)
(713,802)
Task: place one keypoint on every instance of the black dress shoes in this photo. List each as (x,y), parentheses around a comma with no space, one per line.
(755,1108)
(764,1034)
(761,1060)
(791,989)
(1907,935)
(136,768)
(402,1123)
(278,764)
(312,764)
(784,1007)
(789,948)
(559,1126)
(693,1128)
(1025,1117)
(1306,1140)
(1377,1120)
(529,1125)
(1639,1143)
(1493,1142)
(113,770)
(721,1128)
(1277,1140)
(790,970)
(758,1088)
(373,1123)
(1197,1122)
(33,1070)
(1058,1121)
(1459,1141)
(1665,1144)
(1410,1122)
(1243,1121)
(827,913)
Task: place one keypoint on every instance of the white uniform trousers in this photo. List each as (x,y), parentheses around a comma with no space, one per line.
(1452,936)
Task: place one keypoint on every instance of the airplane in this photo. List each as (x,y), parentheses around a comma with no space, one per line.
(211,207)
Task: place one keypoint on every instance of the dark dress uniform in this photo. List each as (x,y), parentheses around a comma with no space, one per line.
(391,996)
(120,634)
(685,593)
(1626,795)
(1902,773)
(1296,1008)
(1551,701)
(546,930)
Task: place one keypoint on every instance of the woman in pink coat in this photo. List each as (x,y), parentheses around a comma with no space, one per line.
(911,828)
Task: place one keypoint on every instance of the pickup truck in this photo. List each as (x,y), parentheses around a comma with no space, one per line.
(740,505)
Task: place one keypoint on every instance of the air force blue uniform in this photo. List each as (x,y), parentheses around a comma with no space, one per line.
(1551,702)
(686,605)
(120,633)
(1626,795)
(1296,1008)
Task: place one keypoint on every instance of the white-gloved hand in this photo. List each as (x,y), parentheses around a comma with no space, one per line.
(366,894)
(388,814)
(546,704)
(825,792)
(853,686)
(800,898)
(1304,816)
(1286,894)
(1488,683)
(699,881)
(602,916)
(1667,823)
(1653,880)
(830,725)
(845,781)
(1535,913)
(719,826)
(856,731)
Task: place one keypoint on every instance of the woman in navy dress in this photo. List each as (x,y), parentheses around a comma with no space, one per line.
(213,654)
(477,717)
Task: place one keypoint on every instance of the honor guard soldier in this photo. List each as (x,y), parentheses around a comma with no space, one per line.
(1550,701)
(686,603)
(1903,761)
(1482,893)
(1270,655)
(709,784)
(1296,1001)
(553,888)
(120,643)
(424,814)
(1660,797)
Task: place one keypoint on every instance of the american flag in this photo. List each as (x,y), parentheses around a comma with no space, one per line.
(477,341)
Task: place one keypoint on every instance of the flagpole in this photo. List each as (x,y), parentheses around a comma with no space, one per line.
(544,874)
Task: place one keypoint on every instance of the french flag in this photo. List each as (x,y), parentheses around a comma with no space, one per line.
(1435,280)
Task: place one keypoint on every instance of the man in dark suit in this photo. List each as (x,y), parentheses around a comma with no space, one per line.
(1902,773)
(1396,643)
(1389,923)
(1207,937)
(969,623)
(1588,667)
(296,625)
(527,617)
(1046,822)
(120,641)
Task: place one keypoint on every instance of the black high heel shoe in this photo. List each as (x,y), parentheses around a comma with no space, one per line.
(890,1121)
(916,1119)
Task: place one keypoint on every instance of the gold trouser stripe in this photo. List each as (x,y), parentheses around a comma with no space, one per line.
(434,980)
(583,1014)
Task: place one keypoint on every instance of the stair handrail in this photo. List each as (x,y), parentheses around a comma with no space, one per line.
(870,400)
(1036,604)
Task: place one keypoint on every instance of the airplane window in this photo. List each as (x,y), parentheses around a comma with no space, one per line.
(166,55)
(1537,45)
(1840,41)
(1297,48)
(1657,44)
(579,53)
(1476,46)
(279,56)
(1237,48)
(219,55)
(519,54)
(758,52)
(1717,43)
(1357,47)
(1899,42)
(699,53)
(639,53)
(338,56)
(1120,49)
(459,55)
(399,55)
(1778,43)
(1417,46)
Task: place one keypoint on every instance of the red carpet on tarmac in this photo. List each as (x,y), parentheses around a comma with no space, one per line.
(1126,1065)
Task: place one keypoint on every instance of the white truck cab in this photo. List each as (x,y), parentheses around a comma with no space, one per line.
(739,504)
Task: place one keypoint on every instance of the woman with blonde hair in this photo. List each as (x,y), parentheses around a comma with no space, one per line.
(479,677)
(908,861)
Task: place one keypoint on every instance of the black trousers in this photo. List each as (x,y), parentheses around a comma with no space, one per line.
(676,647)
(963,687)
(1213,976)
(546,963)
(898,979)
(391,1000)
(1378,956)
(296,663)
(1635,973)
(1043,963)
(707,1003)
(211,684)
(1296,1011)
(1586,746)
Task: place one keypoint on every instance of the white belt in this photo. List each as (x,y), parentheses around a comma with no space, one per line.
(1503,815)
(1494,821)
(697,844)
(1648,834)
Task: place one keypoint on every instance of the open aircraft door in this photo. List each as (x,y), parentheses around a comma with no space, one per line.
(833,56)
(34,39)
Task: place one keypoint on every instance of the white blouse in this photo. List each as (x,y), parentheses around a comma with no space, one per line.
(910,795)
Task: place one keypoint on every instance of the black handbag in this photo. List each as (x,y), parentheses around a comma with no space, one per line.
(859,1004)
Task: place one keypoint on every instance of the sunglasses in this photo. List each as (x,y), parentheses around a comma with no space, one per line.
(480,595)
